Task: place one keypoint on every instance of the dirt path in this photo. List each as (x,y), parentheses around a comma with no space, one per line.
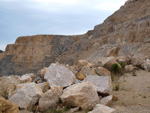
(134,93)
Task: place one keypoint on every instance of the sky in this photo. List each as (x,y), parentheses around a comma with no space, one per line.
(59,17)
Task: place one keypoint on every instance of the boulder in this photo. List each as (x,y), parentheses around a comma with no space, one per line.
(138,60)
(81,63)
(125,59)
(42,72)
(87,71)
(8,85)
(80,76)
(102,71)
(105,60)
(103,84)
(82,95)
(50,98)
(44,86)
(26,95)
(27,78)
(147,65)
(129,68)
(59,76)
(99,108)
(7,106)
(106,100)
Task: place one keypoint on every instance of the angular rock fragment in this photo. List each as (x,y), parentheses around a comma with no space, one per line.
(82,95)
(59,76)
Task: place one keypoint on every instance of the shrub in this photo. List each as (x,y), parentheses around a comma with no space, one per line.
(117,87)
(59,111)
(134,73)
(115,68)
(86,110)
(122,65)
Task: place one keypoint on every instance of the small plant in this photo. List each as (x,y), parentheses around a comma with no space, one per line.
(122,65)
(105,65)
(115,68)
(112,77)
(117,87)
(86,110)
(59,111)
(134,73)
(49,110)
(66,108)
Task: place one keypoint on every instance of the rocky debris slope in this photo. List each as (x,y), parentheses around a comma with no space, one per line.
(126,32)
(52,93)
(48,90)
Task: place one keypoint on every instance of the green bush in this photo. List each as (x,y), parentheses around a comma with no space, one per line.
(117,87)
(86,110)
(122,65)
(115,68)
(59,111)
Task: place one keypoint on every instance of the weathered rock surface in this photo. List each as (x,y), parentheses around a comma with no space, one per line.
(106,100)
(8,85)
(102,83)
(59,76)
(7,106)
(102,109)
(129,68)
(87,71)
(42,72)
(50,98)
(138,60)
(44,86)
(26,78)
(147,65)
(26,95)
(123,33)
(83,95)
(80,76)
(102,71)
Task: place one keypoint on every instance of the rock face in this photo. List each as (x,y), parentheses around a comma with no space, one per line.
(82,95)
(59,76)
(7,106)
(123,33)
(50,98)
(26,95)
(102,83)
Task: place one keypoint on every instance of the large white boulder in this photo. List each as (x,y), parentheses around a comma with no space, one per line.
(103,84)
(99,108)
(26,95)
(59,76)
(82,95)
(50,98)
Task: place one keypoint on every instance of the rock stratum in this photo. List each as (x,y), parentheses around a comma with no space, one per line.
(126,32)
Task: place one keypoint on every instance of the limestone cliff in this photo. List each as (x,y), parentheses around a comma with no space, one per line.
(126,32)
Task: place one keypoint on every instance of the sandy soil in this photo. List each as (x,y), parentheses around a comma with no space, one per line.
(134,93)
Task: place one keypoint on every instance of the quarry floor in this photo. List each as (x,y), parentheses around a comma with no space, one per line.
(133,94)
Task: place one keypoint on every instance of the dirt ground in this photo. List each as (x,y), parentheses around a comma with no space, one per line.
(133,94)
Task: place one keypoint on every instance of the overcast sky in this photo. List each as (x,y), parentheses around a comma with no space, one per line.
(66,17)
